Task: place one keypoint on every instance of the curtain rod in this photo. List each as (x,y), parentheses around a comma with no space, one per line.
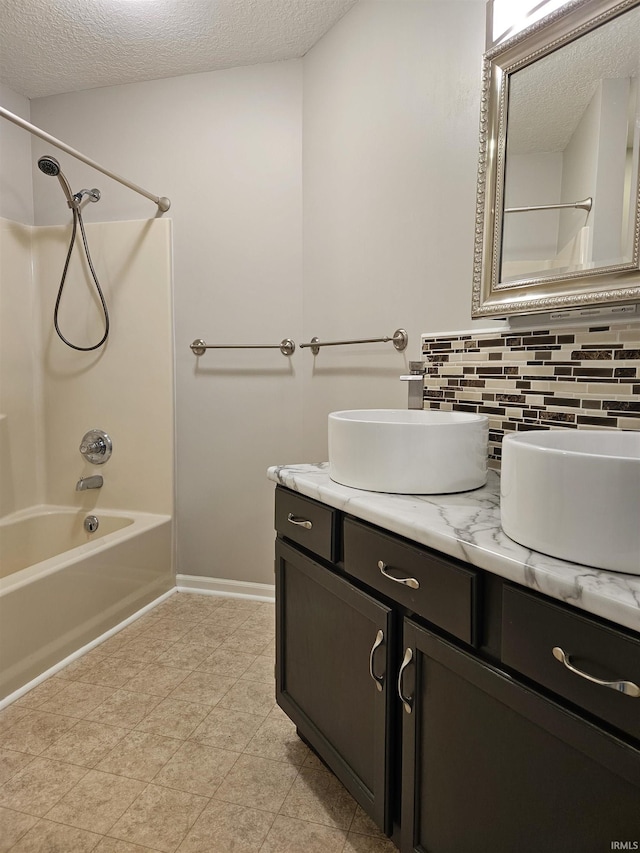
(583,204)
(163,203)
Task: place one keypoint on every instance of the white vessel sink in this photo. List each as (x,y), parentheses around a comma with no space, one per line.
(574,494)
(408,451)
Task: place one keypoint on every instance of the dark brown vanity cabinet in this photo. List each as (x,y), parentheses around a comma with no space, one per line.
(430,689)
(491,766)
(334,659)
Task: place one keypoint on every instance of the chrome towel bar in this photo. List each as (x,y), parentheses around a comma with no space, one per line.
(400,339)
(286,346)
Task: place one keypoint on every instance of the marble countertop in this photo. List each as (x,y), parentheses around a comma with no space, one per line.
(466,525)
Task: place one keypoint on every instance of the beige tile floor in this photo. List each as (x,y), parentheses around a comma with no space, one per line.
(167,738)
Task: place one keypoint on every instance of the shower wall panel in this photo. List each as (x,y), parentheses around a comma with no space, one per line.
(20,392)
(126,387)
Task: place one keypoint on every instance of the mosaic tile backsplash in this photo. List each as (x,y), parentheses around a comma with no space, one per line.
(577,378)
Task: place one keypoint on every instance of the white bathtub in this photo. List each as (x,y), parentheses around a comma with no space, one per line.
(61,587)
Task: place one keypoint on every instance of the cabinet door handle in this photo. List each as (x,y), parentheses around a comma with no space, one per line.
(379,679)
(412,582)
(299,522)
(407,701)
(626,687)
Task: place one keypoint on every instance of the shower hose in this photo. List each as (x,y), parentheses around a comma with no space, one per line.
(77,218)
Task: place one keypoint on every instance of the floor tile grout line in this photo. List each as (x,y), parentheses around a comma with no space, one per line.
(130,806)
(263,629)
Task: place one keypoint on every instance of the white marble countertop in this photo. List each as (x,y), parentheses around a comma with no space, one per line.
(467,526)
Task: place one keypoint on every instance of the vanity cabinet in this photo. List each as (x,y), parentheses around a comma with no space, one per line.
(429,688)
(334,656)
(490,765)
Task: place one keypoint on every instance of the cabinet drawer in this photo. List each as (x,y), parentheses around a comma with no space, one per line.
(439,589)
(532,629)
(307,522)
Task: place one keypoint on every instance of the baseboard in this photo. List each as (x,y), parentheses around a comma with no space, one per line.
(231,589)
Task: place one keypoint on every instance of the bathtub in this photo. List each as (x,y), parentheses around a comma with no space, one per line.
(61,587)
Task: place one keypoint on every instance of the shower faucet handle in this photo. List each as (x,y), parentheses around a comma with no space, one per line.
(96,446)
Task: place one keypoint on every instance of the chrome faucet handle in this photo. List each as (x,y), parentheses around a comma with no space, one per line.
(416,371)
(96,446)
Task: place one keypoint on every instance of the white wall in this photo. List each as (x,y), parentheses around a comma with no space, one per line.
(16,197)
(391,105)
(580,167)
(531,179)
(391,99)
(225,147)
(608,203)
(594,165)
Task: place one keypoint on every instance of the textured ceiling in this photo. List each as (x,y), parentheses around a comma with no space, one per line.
(53,46)
(549,97)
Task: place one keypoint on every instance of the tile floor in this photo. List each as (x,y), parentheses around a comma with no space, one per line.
(167,738)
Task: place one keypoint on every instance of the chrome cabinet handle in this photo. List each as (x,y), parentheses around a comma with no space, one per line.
(379,679)
(299,522)
(412,582)
(407,701)
(626,687)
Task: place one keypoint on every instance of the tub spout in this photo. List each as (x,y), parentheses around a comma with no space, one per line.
(94,482)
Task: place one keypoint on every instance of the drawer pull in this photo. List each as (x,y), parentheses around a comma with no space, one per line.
(626,687)
(379,679)
(407,701)
(412,582)
(299,522)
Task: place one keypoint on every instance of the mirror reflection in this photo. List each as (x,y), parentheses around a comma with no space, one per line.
(572,151)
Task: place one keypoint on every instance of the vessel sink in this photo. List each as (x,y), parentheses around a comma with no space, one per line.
(574,494)
(408,451)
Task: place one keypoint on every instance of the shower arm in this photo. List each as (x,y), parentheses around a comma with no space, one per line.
(163,203)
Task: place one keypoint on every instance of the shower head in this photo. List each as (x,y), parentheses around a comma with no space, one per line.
(50,166)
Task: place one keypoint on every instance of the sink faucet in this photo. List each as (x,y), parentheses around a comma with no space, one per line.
(94,482)
(415,378)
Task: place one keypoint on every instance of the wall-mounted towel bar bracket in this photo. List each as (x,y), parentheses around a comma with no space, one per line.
(286,346)
(400,339)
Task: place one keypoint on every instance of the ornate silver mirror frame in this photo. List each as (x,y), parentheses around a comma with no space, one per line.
(615,284)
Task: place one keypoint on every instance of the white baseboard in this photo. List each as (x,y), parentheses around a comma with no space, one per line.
(231,589)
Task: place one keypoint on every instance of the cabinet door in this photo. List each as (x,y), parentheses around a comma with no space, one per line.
(333,657)
(491,766)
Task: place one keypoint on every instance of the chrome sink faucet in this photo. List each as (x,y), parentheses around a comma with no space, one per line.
(94,482)
(415,378)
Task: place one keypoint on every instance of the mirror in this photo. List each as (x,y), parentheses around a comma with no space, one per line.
(558,211)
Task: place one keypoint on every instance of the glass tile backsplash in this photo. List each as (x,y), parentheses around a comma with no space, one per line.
(576,378)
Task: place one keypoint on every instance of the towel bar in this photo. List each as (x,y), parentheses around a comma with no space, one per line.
(400,339)
(286,346)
